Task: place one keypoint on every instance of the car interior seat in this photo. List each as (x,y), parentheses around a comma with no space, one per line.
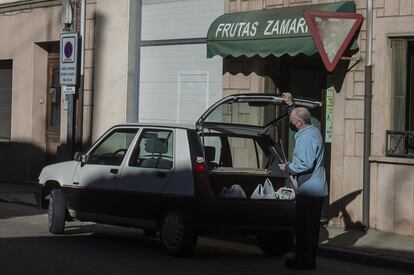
(157,148)
(210,154)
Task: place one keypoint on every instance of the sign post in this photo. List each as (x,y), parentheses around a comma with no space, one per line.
(332,32)
(69,80)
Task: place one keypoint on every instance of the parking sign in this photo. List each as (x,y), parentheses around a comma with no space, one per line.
(68,59)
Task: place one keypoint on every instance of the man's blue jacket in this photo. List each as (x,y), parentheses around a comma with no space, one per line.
(307,163)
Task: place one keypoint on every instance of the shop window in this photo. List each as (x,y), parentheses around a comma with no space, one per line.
(6,72)
(400,138)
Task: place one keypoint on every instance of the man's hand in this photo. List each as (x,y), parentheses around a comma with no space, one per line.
(287,97)
(283,167)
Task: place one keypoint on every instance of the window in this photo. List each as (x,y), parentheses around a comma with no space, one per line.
(236,152)
(5,98)
(154,149)
(112,149)
(400,138)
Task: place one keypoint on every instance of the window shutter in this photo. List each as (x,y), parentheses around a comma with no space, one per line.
(398,83)
(5,103)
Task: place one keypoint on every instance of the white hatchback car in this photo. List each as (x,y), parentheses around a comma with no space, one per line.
(171,179)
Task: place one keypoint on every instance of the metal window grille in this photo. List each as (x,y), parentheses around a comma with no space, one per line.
(399,144)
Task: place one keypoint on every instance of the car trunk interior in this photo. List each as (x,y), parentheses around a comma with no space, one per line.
(248,179)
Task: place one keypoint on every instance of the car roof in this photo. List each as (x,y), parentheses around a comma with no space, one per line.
(158,125)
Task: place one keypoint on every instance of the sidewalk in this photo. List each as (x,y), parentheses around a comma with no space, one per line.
(364,247)
(368,247)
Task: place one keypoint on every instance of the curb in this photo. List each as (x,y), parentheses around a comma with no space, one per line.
(365,258)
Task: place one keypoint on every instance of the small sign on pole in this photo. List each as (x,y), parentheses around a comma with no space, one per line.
(69,90)
(329,114)
(69,59)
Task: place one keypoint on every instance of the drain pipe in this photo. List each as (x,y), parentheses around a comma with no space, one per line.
(79,136)
(367,117)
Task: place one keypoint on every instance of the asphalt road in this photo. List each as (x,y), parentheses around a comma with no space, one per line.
(26,247)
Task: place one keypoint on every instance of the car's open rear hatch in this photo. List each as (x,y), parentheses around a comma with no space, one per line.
(247,114)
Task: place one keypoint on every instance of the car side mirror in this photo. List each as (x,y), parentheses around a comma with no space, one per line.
(78,156)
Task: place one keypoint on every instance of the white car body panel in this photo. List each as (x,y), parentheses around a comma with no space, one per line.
(60,172)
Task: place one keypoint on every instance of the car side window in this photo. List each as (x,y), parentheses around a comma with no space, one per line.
(154,149)
(112,149)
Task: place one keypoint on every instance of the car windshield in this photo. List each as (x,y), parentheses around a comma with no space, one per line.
(245,113)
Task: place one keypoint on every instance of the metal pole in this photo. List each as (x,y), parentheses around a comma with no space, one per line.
(138,60)
(367,116)
(79,133)
(70,98)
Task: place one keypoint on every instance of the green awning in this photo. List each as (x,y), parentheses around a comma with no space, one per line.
(265,32)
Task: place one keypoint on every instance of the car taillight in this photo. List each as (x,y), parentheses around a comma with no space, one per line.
(202,186)
(200,167)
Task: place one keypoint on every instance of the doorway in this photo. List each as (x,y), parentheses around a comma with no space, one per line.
(304,77)
(53,101)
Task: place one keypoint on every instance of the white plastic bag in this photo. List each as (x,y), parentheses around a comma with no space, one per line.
(268,191)
(264,191)
(236,192)
(257,193)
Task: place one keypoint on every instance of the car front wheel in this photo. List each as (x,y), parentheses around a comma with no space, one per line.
(176,234)
(276,243)
(56,212)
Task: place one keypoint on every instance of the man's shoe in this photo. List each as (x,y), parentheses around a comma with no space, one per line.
(298,263)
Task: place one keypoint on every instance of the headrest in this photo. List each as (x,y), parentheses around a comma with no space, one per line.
(156,146)
(210,152)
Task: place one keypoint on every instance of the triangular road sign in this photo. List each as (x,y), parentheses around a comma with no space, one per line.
(332,32)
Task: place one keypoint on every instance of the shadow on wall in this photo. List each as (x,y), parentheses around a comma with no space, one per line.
(354,230)
(22,162)
(98,77)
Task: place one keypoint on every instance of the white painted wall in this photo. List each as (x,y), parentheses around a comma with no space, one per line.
(169,19)
(178,82)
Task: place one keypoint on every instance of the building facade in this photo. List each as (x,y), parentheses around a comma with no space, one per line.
(392,175)
(147,61)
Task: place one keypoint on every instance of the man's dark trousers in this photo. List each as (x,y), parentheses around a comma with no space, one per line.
(308,216)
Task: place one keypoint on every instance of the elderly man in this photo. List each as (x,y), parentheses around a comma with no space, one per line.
(307,166)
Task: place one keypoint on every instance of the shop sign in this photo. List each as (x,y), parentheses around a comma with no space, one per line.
(68,59)
(276,31)
(332,33)
(328,114)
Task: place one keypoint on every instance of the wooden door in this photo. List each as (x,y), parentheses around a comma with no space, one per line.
(54,99)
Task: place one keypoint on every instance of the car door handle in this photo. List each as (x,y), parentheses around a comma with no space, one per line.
(113,171)
(161,174)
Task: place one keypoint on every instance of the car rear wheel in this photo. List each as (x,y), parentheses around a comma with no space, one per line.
(56,212)
(177,235)
(276,243)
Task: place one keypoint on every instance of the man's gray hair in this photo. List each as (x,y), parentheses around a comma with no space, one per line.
(303,115)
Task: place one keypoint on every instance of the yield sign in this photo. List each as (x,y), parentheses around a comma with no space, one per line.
(332,32)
